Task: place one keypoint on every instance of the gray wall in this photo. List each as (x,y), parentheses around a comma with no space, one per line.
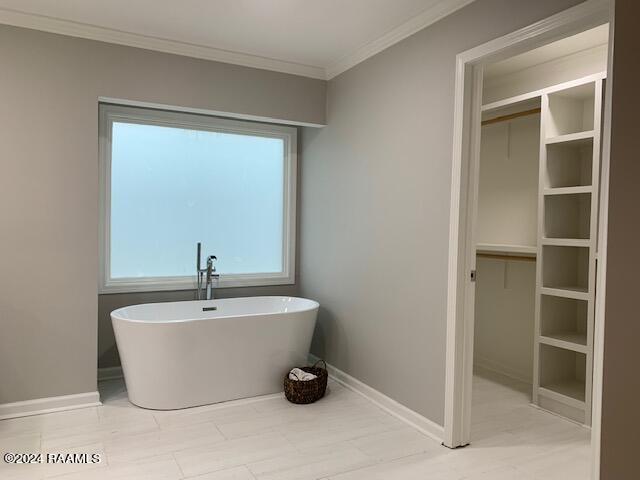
(621,390)
(375,205)
(49,89)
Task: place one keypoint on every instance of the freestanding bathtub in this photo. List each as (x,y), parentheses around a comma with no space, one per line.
(183,354)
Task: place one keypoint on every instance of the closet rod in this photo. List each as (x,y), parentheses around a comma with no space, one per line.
(520,258)
(511,116)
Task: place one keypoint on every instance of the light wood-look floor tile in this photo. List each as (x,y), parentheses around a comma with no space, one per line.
(311,463)
(342,437)
(234,473)
(232,453)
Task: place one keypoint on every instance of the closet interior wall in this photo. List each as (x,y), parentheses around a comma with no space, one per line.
(506,270)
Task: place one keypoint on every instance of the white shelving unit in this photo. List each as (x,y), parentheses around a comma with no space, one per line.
(566,250)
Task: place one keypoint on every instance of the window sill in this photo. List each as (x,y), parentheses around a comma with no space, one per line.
(131,285)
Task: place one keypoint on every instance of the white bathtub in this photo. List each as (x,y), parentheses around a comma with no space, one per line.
(184,354)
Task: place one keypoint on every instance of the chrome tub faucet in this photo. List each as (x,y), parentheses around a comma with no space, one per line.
(205,276)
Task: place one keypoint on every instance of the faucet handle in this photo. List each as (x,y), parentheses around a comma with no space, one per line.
(210,260)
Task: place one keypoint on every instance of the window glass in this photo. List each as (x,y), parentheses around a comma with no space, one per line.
(172,187)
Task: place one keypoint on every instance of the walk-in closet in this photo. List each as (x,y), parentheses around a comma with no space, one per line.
(536,232)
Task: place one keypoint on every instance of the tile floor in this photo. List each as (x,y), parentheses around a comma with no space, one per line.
(341,437)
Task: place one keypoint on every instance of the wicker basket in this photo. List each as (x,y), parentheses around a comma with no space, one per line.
(304,392)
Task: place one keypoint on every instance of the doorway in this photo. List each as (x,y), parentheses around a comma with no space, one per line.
(468,223)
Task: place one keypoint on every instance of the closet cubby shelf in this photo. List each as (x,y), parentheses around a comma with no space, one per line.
(567,216)
(568,165)
(568,190)
(563,373)
(570,289)
(567,242)
(564,323)
(577,293)
(574,341)
(572,138)
(565,268)
(571,393)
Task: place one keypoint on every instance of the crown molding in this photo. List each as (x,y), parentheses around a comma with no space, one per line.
(108,35)
(93,32)
(417,23)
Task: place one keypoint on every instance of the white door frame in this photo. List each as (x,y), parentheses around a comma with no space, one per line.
(464,183)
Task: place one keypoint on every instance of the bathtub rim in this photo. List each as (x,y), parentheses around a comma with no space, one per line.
(314,305)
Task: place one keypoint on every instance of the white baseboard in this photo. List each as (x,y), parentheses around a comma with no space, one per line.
(109,373)
(389,405)
(499,368)
(39,406)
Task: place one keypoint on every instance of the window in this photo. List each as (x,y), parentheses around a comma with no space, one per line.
(170,180)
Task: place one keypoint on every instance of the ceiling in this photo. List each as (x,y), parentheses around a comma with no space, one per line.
(567,46)
(312,38)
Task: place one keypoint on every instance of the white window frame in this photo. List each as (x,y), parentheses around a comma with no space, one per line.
(110,113)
